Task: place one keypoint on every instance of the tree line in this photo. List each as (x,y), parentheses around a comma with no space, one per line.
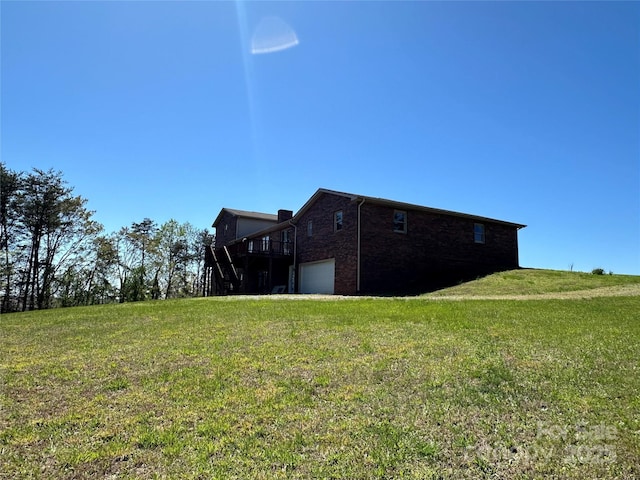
(55,255)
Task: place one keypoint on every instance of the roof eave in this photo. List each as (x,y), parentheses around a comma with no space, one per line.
(244,214)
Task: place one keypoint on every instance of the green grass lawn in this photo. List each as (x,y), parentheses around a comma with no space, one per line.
(356,388)
(535,282)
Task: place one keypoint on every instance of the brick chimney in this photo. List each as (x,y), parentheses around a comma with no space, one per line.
(284,215)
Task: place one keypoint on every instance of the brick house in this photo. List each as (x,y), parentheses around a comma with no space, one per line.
(340,243)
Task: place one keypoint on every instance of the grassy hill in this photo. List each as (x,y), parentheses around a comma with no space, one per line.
(356,388)
(543,282)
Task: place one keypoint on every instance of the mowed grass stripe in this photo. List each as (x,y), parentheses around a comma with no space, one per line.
(367,388)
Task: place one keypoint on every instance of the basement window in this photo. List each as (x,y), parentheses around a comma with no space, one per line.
(478,233)
(337,221)
(400,221)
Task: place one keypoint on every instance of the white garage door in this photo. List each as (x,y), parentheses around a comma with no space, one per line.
(317,277)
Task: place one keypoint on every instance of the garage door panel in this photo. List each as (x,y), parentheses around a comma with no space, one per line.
(318,277)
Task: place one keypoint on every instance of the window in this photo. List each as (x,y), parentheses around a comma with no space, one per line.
(265,244)
(478,233)
(400,221)
(337,221)
(309,228)
(286,239)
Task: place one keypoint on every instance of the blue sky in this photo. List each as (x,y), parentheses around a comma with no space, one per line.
(523,111)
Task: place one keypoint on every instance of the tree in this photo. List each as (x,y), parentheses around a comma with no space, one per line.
(69,247)
(10,184)
(104,270)
(126,254)
(55,231)
(204,239)
(52,253)
(170,246)
(142,236)
(134,246)
(89,282)
(177,258)
(39,207)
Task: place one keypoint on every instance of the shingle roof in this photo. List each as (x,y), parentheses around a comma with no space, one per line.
(356,198)
(402,206)
(245,214)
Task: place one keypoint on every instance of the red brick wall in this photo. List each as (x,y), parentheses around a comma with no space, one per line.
(326,243)
(437,249)
(284,215)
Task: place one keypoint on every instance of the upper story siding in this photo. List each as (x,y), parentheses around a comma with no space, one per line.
(231,225)
(226,227)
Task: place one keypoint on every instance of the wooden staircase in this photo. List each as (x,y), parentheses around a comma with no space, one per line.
(225,273)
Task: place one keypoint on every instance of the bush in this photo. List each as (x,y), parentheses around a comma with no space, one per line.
(597,271)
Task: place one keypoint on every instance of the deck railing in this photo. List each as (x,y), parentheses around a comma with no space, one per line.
(261,246)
